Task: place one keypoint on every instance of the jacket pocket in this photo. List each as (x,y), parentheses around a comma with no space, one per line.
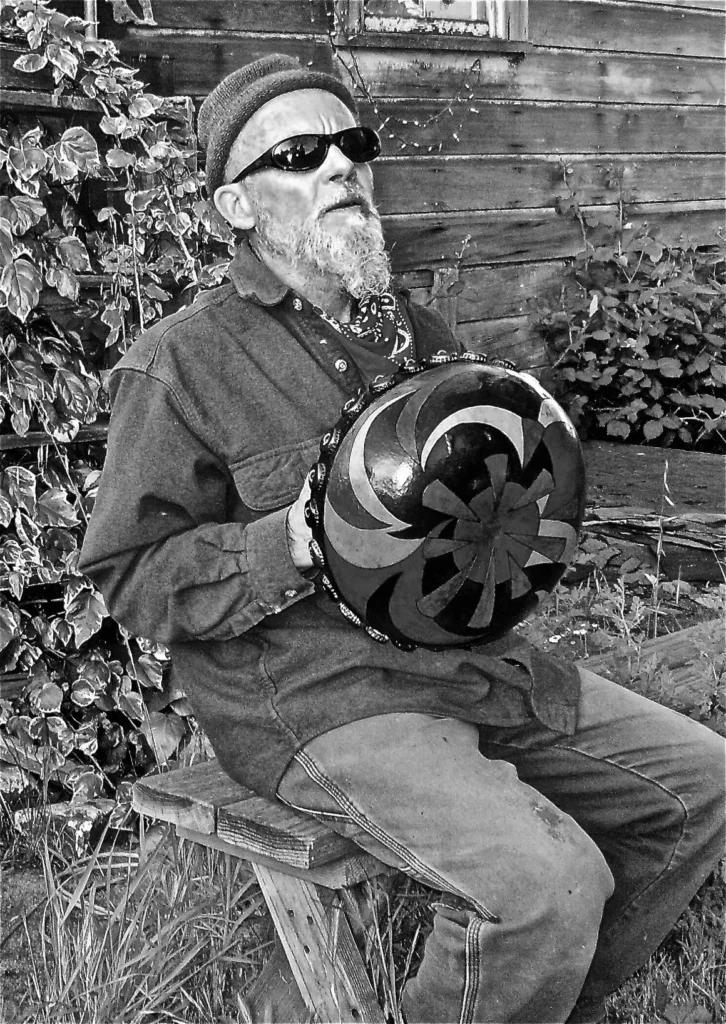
(273,479)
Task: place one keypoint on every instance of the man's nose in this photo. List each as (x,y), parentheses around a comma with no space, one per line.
(337,165)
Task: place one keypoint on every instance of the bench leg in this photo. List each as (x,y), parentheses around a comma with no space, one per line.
(274,995)
(323,956)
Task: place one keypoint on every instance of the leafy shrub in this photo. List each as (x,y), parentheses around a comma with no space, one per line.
(638,332)
(103,229)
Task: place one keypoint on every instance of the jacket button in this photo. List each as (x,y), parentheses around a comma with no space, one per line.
(297,304)
(340,365)
(289,594)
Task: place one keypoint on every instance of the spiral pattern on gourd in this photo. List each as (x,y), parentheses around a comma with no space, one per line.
(452,503)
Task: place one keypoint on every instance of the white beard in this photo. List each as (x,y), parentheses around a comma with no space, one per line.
(354,255)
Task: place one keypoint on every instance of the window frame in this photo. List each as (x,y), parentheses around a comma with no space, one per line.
(351,31)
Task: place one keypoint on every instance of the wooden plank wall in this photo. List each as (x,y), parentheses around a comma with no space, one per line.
(477,142)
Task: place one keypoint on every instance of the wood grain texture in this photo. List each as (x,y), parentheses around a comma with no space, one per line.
(637,27)
(351,869)
(183,63)
(691,28)
(433,184)
(188,62)
(204,799)
(509,236)
(701,5)
(544,74)
(679,664)
(504,290)
(508,126)
(274,994)
(272,830)
(321,951)
(684,548)
(293,16)
(625,474)
(188,796)
(506,338)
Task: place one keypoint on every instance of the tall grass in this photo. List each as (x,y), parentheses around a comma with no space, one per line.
(179,933)
(176,938)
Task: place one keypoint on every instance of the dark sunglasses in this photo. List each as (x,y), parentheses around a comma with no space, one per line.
(308,152)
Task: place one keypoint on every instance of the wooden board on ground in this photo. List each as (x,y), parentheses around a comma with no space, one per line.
(633,475)
(680,670)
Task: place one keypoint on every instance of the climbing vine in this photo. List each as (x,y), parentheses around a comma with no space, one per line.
(103,229)
(637,331)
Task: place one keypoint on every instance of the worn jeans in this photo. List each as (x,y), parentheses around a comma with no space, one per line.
(563,860)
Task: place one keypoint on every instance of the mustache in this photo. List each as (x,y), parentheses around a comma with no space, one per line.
(351,196)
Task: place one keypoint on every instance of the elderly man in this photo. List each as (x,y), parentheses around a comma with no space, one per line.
(567,822)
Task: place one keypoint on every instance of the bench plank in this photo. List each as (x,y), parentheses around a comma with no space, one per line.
(320,949)
(188,796)
(273,830)
(355,867)
(205,800)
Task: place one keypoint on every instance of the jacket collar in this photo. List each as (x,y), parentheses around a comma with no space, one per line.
(253,280)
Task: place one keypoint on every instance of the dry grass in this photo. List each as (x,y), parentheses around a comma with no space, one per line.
(179,933)
(176,938)
(685,980)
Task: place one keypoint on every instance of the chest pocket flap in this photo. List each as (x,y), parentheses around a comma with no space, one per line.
(273,479)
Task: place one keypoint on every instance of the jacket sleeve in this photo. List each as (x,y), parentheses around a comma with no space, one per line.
(160,545)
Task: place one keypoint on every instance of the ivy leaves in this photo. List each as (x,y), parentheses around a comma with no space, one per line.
(20,213)
(85,611)
(78,148)
(118,198)
(155,237)
(43,379)
(20,286)
(639,336)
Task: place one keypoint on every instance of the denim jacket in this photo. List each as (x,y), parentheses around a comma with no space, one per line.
(217,416)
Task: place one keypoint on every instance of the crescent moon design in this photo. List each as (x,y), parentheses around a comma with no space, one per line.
(506,422)
(359,482)
(358,548)
(551,411)
(440,537)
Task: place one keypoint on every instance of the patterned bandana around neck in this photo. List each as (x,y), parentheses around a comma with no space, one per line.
(378,325)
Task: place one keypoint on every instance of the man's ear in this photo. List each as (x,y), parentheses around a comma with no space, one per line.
(233,202)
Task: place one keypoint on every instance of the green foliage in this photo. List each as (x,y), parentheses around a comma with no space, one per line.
(638,332)
(103,229)
(176,936)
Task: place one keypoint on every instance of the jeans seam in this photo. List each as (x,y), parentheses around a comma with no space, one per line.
(323,815)
(423,870)
(472,973)
(653,782)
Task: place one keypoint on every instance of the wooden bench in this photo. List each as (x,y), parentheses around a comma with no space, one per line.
(306,871)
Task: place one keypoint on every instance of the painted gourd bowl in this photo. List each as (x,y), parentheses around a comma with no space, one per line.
(447,501)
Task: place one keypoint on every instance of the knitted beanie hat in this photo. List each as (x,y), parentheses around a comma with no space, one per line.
(230,105)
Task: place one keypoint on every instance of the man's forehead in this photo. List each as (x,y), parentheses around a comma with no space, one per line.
(292,113)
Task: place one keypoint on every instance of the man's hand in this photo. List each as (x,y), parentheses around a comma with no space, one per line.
(299,534)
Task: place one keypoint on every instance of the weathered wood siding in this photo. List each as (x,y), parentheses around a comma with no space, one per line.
(600,83)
